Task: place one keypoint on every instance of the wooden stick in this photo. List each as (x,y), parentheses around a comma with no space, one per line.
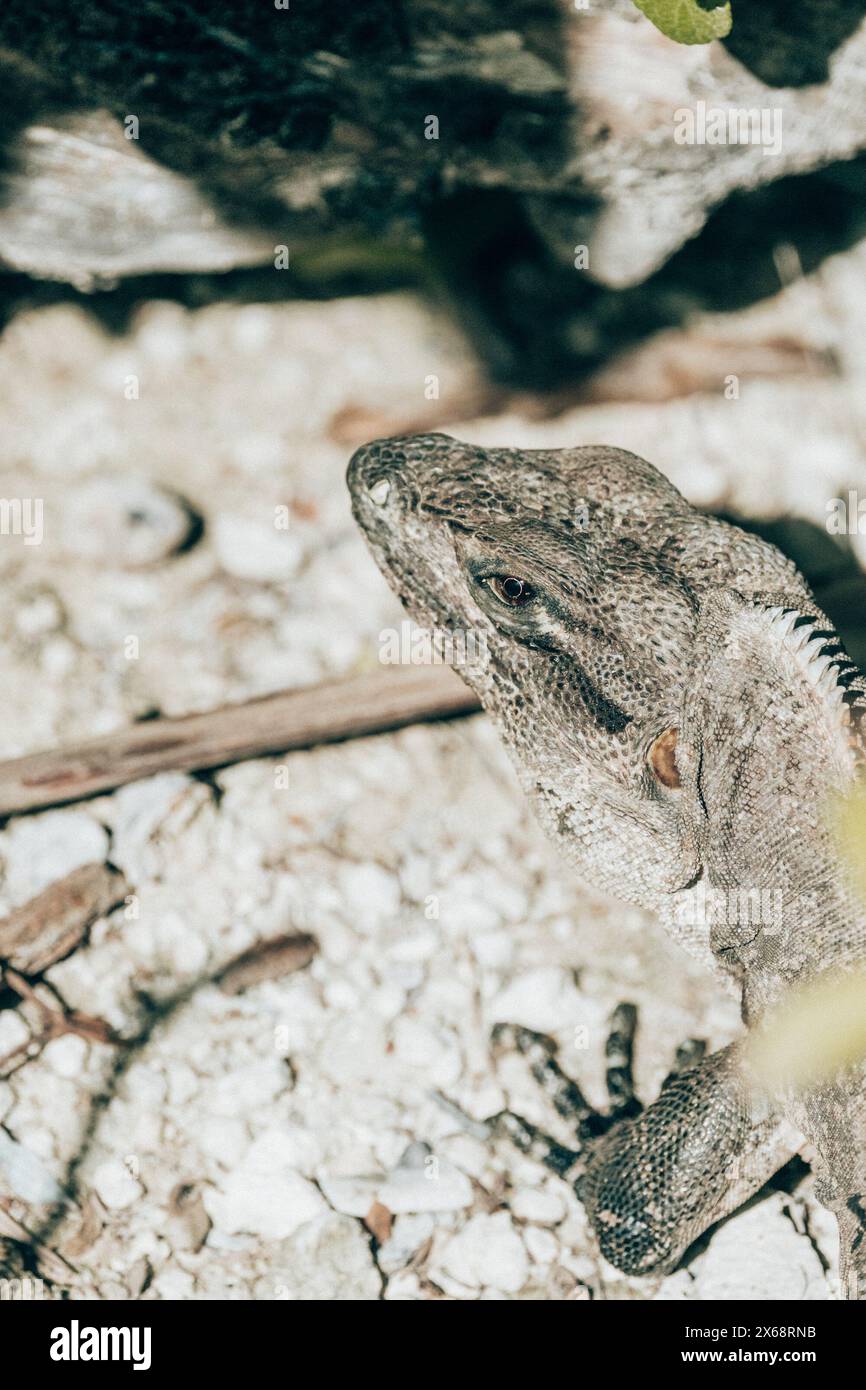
(368,704)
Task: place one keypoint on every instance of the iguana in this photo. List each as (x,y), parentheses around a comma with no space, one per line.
(679,713)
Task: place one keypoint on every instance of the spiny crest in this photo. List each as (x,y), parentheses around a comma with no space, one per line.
(822,661)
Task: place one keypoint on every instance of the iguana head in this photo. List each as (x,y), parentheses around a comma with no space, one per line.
(581,574)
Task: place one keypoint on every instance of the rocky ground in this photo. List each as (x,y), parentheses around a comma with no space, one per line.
(286,1140)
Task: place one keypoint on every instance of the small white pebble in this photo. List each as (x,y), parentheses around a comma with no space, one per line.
(538,1206)
(487,1253)
(542,1246)
(115,1186)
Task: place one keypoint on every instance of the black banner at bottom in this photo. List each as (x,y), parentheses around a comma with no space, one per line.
(59,1339)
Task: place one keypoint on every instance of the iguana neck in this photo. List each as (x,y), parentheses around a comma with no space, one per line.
(783,712)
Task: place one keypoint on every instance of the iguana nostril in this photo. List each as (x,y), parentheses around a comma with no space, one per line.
(380,492)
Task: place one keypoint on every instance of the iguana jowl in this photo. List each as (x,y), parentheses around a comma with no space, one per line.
(679,713)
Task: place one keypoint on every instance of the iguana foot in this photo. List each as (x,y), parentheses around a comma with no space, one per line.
(652,1179)
(566,1096)
(630,1165)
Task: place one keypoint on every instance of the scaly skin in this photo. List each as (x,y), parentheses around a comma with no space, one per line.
(679,713)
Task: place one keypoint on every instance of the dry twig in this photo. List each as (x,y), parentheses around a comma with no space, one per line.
(292,719)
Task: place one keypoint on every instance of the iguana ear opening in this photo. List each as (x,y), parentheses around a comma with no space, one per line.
(662,759)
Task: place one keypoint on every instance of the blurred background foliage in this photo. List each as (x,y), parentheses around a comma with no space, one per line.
(821,1028)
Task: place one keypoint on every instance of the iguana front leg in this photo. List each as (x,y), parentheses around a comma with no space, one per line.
(652,1181)
(655,1183)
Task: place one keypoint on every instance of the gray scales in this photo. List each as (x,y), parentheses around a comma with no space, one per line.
(678,712)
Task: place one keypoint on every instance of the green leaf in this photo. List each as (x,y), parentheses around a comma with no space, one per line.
(685,21)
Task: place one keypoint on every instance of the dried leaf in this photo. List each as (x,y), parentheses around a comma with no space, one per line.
(379,1221)
(52,924)
(269,960)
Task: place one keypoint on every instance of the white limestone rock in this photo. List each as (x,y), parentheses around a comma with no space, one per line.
(487,1253)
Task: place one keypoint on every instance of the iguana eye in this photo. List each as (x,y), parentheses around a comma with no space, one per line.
(511,590)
